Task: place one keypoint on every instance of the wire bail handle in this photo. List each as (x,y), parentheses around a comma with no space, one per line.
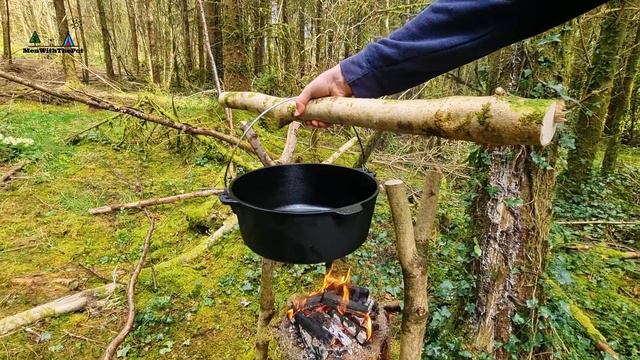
(235,148)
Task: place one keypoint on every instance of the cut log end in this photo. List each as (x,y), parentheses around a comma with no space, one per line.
(553,116)
(393,182)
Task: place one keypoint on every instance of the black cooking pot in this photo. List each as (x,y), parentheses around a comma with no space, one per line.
(303,213)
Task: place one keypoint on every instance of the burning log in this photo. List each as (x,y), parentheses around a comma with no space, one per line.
(313,328)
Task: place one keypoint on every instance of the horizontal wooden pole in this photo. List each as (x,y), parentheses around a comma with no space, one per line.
(499,120)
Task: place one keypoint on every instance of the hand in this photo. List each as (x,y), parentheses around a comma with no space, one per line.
(329,83)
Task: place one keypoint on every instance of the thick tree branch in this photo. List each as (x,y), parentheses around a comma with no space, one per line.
(290,144)
(253,139)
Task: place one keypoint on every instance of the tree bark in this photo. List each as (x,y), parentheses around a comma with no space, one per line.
(213,10)
(317,21)
(186,36)
(133,29)
(63,29)
(302,59)
(235,57)
(513,214)
(488,119)
(6,30)
(267,309)
(588,125)
(619,105)
(106,47)
(202,65)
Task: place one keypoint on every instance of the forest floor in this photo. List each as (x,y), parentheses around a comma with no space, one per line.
(208,307)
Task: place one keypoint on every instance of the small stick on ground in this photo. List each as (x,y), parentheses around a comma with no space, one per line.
(154,201)
(80,337)
(131,288)
(346,146)
(598,222)
(12,171)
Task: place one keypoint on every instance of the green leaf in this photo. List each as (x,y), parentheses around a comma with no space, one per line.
(563,277)
(518,319)
(45,336)
(553,38)
(492,190)
(513,202)
(123,351)
(476,250)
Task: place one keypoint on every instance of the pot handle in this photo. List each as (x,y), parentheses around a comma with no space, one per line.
(348,210)
(226,199)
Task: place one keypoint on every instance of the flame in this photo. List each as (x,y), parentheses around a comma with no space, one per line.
(368,326)
(290,314)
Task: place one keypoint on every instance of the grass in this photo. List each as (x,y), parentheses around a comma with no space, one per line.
(208,308)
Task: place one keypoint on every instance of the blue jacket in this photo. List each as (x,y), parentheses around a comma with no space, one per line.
(448,34)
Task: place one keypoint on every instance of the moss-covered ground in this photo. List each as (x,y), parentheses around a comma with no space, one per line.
(207,309)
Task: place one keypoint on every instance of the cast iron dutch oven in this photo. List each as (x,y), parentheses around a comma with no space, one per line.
(303,213)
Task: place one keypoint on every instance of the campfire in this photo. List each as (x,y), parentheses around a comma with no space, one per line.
(339,321)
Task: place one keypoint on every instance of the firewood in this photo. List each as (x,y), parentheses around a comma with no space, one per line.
(499,120)
(290,143)
(131,288)
(154,201)
(313,328)
(63,305)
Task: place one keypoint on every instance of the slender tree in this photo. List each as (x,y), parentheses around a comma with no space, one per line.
(6,30)
(619,105)
(133,32)
(590,120)
(186,36)
(85,52)
(200,45)
(63,30)
(302,56)
(261,14)
(152,41)
(213,11)
(106,48)
(317,24)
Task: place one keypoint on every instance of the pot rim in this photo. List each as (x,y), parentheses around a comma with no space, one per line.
(318,212)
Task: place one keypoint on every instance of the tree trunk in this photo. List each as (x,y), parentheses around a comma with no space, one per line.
(133,29)
(213,10)
(6,30)
(589,123)
(262,11)
(85,52)
(512,219)
(106,48)
(186,36)
(302,59)
(317,21)
(619,105)
(63,30)
(286,41)
(202,66)
(235,64)
(152,40)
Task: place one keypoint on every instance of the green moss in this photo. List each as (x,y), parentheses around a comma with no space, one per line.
(483,116)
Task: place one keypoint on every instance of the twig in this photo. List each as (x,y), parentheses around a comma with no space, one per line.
(93,272)
(131,287)
(12,171)
(75,135)
(346,146)
(154,201)
(83,338)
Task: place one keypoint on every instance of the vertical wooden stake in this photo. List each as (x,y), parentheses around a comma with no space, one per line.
(412,249)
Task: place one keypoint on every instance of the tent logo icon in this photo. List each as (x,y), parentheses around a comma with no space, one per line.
(68,41)
(35,39)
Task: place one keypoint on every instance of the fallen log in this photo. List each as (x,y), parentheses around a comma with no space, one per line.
(99,103)
(63,305)
(154,201)
(499,120)
(12,171)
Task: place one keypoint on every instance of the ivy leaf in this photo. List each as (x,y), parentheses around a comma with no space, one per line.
(564,277)
(518,319)
(513,202)
(123,351)
(476,250)
(553,38)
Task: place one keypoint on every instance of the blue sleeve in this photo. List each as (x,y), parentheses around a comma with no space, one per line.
(448,34)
